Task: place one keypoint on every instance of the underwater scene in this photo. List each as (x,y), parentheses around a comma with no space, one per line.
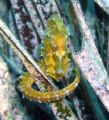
(54,59)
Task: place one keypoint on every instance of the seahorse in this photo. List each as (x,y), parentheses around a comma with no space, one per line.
(54,63)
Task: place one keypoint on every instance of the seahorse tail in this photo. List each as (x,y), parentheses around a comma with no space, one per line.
(26,82)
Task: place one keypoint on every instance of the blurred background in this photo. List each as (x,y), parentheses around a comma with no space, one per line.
(27,19)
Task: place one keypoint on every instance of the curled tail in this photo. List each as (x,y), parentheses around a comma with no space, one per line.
(26,82)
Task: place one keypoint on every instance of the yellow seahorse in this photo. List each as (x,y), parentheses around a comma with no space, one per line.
(54,63)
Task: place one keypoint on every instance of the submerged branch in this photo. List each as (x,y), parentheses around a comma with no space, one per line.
(104,4)
(89,61)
